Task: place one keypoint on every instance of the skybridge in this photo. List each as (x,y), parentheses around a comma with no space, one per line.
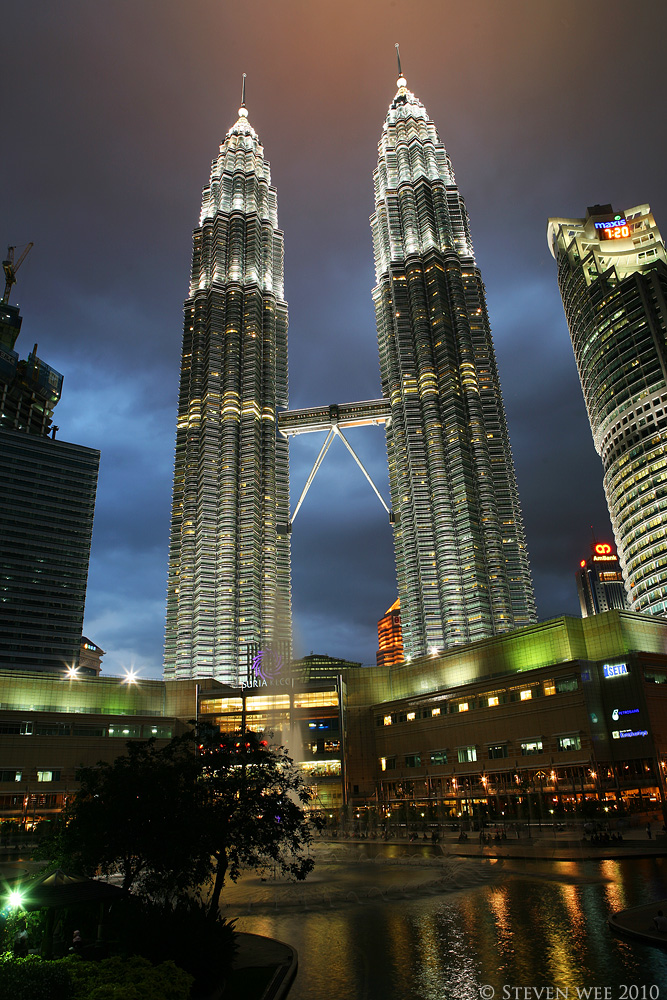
(334,419)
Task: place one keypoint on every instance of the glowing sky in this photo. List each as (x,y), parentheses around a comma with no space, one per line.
(112,113)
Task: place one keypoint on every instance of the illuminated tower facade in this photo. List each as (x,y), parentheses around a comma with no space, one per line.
(461,557)
(229,559)
(600,582)
(390,638)
(612,273)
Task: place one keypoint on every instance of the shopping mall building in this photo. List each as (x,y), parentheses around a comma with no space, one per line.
(570,714)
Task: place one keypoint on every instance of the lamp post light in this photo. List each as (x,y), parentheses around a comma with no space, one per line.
(485,784)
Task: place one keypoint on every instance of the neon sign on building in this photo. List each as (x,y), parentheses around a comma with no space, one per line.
(603,552)
(618,229)
(615,669)
(266,670)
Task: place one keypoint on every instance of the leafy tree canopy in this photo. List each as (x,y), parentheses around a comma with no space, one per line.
(187,815)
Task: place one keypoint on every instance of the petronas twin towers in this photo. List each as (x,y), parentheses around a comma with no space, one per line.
(461,559)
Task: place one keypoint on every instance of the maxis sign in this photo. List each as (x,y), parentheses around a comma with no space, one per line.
(614,229)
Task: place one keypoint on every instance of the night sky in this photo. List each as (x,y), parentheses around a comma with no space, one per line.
(112,113)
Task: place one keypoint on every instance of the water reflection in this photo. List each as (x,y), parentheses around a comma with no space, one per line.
(527,924)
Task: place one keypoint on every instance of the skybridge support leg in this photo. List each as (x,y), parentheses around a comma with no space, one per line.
(335,430)
(318,461)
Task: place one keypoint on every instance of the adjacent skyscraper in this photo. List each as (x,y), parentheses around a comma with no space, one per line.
(600,582)
(461,558)
(612,273)
(229,558)
(47,503)
(390,638)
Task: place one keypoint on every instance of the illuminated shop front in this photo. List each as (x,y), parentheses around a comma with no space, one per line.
(306,719)
(51,724)
(565,735)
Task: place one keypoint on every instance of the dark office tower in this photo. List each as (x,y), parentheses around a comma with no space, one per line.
(612,274)
(600,582)
(29,388)
(47,502)
(229,559)
(461,558)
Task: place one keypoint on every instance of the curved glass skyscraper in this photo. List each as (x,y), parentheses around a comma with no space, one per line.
(461,557)
(229,557)
(612,273)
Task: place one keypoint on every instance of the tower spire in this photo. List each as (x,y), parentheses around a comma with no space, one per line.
(230,519)
(461,560)
(243,111)
(401,82)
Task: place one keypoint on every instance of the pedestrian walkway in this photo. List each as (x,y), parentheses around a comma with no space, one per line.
(545,845)
(263,969)
(562,846)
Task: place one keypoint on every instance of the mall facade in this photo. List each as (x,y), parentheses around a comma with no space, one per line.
(553,720)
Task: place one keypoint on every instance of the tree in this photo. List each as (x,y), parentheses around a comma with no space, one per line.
(253,810)
(199,810)
(133,816)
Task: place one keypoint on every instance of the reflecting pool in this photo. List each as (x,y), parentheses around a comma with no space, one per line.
(387,923)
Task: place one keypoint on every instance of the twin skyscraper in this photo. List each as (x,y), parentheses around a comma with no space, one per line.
(461,559)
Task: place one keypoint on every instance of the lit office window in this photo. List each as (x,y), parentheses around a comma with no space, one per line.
(264,703)
(316,699)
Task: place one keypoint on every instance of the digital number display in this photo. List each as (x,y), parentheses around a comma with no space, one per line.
(618,229)
(617,233)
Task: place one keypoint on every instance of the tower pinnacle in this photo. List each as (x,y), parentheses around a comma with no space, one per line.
(461,561)
(243,111)
(401,82)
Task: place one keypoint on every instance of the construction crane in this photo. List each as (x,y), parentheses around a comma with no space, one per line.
(10,267)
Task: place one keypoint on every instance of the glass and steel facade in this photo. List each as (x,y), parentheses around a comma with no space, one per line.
(229,559)
(47,504)
(612,273)
(461,557)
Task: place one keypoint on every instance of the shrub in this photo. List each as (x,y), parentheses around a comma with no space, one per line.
(73,978)
(32,979)
(126,979)
(202,945)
